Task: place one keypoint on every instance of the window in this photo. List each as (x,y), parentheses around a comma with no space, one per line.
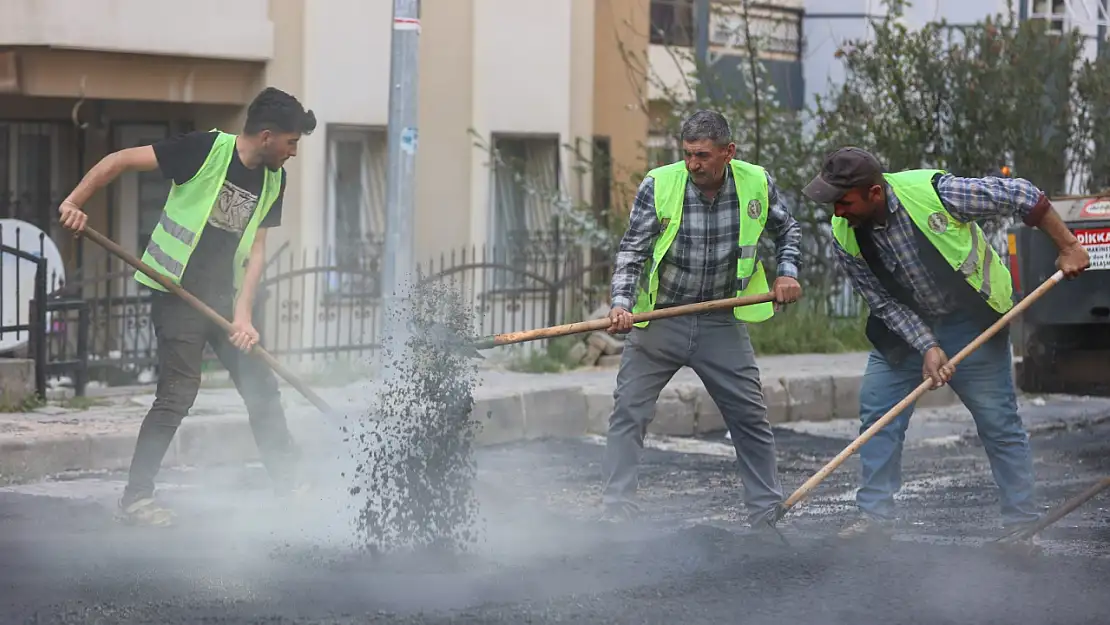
(355,214)
(673,22)
(662,150)
(602,179)
(525,191)
(153,191)
(30,173)
(526,183)
(1055,12)
(778,30)
(140,195)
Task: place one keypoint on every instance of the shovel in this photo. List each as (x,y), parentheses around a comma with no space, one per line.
(1065,509)
(257,350)
(925,385)
(446,337)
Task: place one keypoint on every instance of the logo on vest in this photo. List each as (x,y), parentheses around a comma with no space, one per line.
(938,222)
(754,209)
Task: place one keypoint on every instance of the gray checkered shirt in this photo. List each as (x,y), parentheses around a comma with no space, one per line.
(701,262)
(967,199)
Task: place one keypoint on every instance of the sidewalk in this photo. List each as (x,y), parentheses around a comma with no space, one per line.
(52,439)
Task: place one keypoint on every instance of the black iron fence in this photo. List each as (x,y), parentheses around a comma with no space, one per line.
(309,308)
(34,315)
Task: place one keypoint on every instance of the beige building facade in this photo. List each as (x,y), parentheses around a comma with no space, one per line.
(535,79)
(530,77)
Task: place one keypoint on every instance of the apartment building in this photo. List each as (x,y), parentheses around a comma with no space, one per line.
(81,79)
(683,31)
(534,79)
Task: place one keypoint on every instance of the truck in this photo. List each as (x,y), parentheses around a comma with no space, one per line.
(1061,343)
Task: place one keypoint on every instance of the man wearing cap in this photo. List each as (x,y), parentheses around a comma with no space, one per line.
(692,237)
(913,247)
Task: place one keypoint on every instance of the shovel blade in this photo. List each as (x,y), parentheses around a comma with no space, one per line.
(446,339)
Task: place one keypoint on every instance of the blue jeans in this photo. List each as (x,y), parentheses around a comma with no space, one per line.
(984,383)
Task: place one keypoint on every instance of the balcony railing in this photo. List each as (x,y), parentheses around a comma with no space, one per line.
(217,29)
(777,27)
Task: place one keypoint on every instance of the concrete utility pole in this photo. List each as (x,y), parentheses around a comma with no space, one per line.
(403,75)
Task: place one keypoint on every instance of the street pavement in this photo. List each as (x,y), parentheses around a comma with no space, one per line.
(98,432)
(115,407)
(239,555)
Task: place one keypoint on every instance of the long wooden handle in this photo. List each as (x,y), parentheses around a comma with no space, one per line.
(113,248)
(925,385)
(1065,508)
(601,324)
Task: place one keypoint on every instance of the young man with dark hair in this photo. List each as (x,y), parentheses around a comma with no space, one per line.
(911,243)
(227,192)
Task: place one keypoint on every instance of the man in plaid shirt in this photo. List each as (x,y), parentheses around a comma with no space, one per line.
(912,246)
(700,263)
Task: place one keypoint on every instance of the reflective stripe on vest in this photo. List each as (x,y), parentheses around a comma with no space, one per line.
(963,246)
(743,271)
(165,260)
(176,230)
(670,194)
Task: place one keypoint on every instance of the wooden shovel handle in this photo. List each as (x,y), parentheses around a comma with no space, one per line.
(115,249)
(602,324)
(925,385)
(1064,509)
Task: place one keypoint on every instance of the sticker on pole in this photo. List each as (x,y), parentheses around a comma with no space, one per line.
(408,140)
(1097,243)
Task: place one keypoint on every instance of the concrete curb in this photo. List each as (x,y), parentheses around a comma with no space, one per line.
(683,409)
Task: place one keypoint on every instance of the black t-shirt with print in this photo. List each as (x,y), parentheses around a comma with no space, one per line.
(209,274)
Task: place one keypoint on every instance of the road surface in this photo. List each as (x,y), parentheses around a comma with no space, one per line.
(239,556)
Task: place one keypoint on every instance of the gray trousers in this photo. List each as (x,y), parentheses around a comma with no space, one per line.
(717,347)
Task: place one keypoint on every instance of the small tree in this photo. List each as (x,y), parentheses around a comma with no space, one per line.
(997,97)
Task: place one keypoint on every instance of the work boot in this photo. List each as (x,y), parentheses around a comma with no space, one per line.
(868,529)
(145,511)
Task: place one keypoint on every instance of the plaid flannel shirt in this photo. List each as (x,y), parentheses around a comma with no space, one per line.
(967,199)
(701,262)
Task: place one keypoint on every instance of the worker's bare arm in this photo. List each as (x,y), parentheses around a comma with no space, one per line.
(103,173)
(1073,258)
(109,168)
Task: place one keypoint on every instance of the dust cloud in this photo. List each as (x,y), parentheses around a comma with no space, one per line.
(402,480)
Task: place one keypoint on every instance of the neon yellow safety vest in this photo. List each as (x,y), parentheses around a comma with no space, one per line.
(186,214)
(670,191)
(962,245)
